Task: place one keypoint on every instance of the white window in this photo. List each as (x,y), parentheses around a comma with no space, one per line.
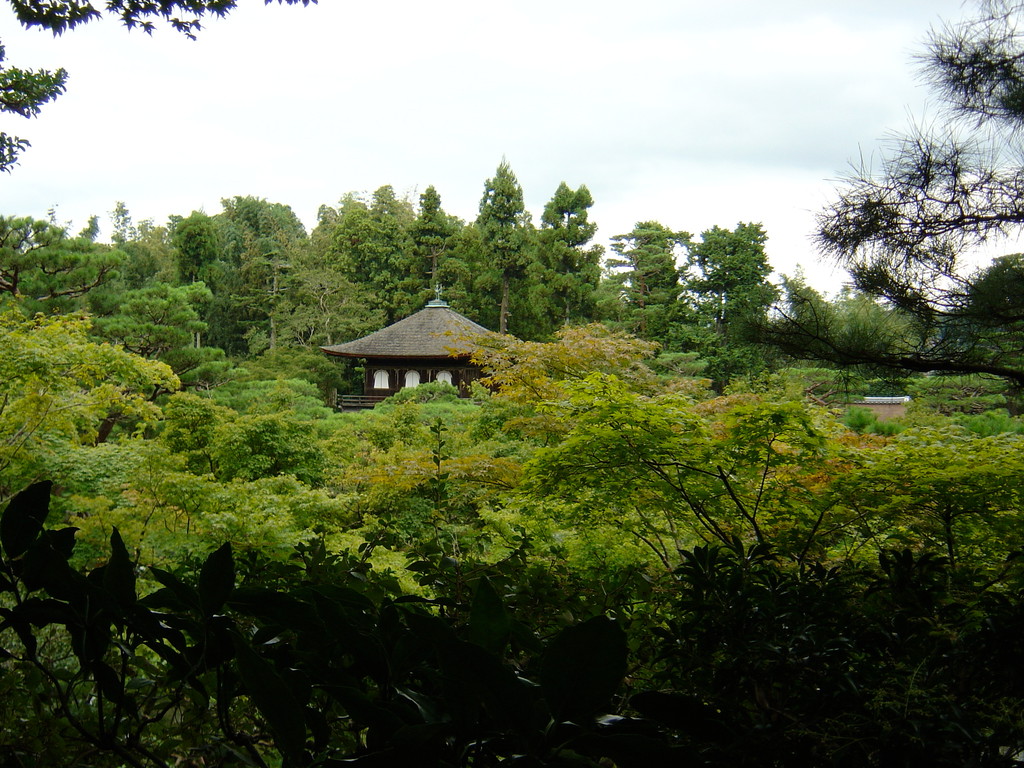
(412,378)
(445,376)
(380,380)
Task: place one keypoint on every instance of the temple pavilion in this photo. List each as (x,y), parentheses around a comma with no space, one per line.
(432,345)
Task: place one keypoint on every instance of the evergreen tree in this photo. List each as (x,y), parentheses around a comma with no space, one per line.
(51,271)
(196,240)
(121,222)
(430,235)
(148,250)
(431,232)
(464,276)
(647,277)
(506,232)
(161,322)
(726,285)
(261,239)
(370,245)
(908,230)
(567,270)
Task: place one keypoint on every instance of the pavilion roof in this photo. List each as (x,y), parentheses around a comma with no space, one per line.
(434,331)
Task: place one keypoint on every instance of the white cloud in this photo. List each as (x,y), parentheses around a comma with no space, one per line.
(694,114)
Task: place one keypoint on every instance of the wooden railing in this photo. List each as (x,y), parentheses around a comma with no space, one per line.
(352,402)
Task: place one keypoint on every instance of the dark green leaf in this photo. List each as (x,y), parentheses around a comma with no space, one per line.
(170,598)
(23,519)
(476,679)
(275,701)
(42,613)
(119,575)
(680,712)
(634,750)
(582,668)
(367,713)
(489,622)
(45,565)
(108,681)
(62,541)
(216,580)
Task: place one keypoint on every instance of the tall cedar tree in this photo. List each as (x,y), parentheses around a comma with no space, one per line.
(431,232)
(262,239)
(568,272)
(505,228)
(370,243)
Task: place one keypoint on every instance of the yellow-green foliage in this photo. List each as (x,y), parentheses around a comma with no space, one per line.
(619,472)
(946,489)
(249,446)
(384,561)
(189,427)
(165,514)
(531,373)
(671,471)
(57,387)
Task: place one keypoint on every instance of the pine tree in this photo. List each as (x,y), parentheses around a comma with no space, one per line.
(647,276)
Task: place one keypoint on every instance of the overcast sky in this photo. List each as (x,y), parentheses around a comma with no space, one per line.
(690,113)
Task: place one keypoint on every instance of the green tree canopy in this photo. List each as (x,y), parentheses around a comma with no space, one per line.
(59,389)
(150,255)
(725,283)
(431,232)
(369,243)
(261,240)
(197,242)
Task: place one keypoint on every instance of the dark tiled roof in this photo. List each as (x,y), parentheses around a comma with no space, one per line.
(435,331)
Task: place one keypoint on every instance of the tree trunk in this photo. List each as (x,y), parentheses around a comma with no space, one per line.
(503,312)
(273,307)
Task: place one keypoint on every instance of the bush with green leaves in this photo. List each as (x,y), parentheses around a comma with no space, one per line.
(991,423)
(244,665)
(296,397)
(266,445)
(865,421)
(906,663)
(430,391)
(940,489)
(752,660)
(60,390)
(291,363)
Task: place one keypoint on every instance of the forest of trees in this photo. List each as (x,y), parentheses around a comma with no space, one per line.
(660,535)
(250,280)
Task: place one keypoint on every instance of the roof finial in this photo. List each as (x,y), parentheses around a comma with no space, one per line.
(437,301)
